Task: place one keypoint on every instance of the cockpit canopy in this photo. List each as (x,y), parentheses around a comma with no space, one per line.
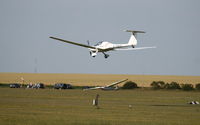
(99,43)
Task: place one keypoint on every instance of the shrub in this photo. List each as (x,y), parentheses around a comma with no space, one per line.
(172,85)
(157,84)
(187,87)
(197,86)
(130,85)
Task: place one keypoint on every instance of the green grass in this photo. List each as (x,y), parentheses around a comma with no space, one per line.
(74,107)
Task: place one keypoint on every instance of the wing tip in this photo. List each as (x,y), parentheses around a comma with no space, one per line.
(52,37)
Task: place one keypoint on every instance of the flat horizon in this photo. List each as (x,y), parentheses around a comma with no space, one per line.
(93,79)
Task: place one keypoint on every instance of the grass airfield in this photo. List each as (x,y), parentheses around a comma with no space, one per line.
(74,107)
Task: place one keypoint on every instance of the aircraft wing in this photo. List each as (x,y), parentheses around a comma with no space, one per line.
(115,83)
(74,43)
(94,88)
(135,48)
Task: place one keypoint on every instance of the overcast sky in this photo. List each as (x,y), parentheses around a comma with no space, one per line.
(171,25)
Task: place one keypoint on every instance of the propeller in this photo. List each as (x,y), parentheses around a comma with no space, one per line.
(88,42)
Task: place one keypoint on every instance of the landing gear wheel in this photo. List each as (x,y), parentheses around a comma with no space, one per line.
(106,55)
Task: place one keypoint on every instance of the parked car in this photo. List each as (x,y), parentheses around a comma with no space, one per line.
(38,86)
(30,85)
(62,86)
(15,85)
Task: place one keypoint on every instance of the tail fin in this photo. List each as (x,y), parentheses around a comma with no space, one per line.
(133,40)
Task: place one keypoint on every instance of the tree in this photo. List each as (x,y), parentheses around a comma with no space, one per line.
(130,85)
(158,84)
(197,86)
(172,85)
(187,87)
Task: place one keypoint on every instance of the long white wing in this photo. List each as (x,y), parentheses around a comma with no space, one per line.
(102,87)
(135,48)
(74,43)
(93,88)
(115,83)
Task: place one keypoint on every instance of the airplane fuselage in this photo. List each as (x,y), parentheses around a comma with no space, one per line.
(107,46)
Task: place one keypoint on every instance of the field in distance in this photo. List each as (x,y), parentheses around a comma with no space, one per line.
(92,79)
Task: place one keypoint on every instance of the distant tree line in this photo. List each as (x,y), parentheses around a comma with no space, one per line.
(156,85)
(174,85)
(162,85)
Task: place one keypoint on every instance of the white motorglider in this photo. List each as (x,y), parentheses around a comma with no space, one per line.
(108,87)
(105,46)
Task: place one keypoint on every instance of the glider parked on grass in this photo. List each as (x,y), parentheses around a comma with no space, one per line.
(105,46)
(108,87)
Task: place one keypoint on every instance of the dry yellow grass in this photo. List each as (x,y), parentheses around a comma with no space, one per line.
(92,79)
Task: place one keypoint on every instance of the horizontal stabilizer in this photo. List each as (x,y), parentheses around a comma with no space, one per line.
(134,31)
